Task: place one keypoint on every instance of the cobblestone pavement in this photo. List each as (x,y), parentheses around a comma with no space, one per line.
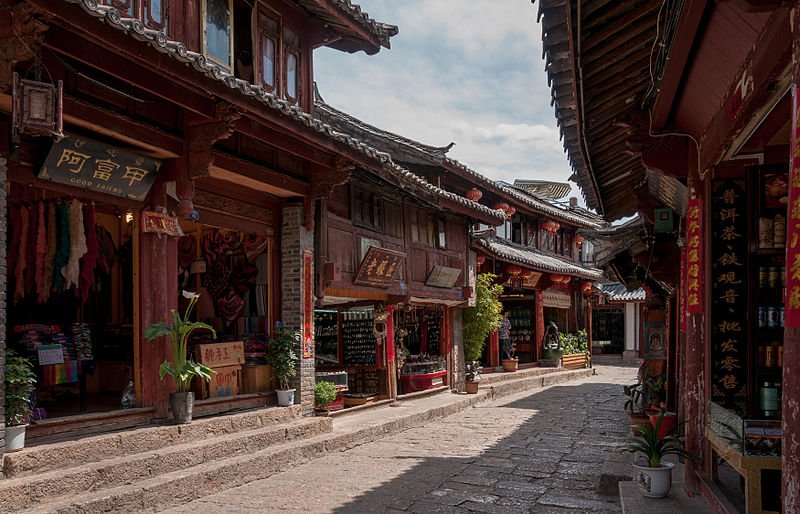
(539,451)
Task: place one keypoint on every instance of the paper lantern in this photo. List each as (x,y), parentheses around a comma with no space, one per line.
(558,279)
(526,274)
(513,270)
(578,239)
(586,287)
(510,211)
(481,260)
(474,194)
(551,226)
(501,206)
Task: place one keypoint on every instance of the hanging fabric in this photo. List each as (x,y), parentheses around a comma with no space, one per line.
(41,249)
(62,248)
(19,273)
(50,256)
(89,261)
(13,247)
(77,247)
(30,258)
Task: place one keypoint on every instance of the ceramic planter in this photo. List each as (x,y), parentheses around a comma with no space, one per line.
(510,364)
(471,386)
(653,482)
(285,397)
(15,437)
(667,425)
(181,405)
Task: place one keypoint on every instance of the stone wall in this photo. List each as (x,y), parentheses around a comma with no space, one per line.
(294,239)
(3,232)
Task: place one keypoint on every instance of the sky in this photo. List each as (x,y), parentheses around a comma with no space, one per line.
(463,71)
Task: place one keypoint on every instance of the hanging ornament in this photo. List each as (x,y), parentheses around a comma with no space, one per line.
(526,274)
(551,226)
(501,206)
(510,211)
(474,194)
(513,270)
(578,239)
(481,260)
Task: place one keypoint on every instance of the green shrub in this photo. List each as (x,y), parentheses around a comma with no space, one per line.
(574,343)
(283,356)
(484,317)
(324,393)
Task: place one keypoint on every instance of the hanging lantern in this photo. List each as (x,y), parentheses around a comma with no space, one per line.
(526,274)
(510,211)
(513,270)
(565,279)
(586,287)
(578,239)
(551,226)
(474,194)
(501,206)
(481,260)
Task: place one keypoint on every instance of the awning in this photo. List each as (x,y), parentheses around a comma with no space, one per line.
(534,259)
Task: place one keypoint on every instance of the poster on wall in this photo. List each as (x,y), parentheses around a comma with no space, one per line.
(729,294)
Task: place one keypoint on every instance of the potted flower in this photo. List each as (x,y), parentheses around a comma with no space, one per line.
(324,394)
(485,317)
(181,369)
(654,476)
(668,420)
(511,362)
(284,363)
(20,383)
(472,376)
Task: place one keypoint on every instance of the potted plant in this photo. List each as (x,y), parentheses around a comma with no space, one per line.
(284,363)
(20,383)
(324,394)
(654,476)
(480,320)
(181,369)
(642,396)
(472,376)
(669,420)
(511,362)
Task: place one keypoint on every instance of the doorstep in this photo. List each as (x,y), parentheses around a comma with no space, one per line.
(678,500)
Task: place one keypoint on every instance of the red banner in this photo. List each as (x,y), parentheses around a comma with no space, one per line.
(792,302)
(682,295)
(390,334)
(694,256)
(308,304)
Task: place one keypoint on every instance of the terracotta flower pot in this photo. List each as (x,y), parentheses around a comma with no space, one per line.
(471,386)
(510,364)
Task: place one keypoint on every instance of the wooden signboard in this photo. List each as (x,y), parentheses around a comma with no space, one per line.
(694,256)
(225,382)
(379,267)
(221,354)
(441,276)
(88,164)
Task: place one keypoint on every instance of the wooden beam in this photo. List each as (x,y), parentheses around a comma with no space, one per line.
(358,29)
(283,184)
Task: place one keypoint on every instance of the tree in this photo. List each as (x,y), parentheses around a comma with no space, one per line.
(484,317)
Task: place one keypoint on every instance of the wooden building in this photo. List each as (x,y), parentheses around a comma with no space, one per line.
(706,94)
(149,147)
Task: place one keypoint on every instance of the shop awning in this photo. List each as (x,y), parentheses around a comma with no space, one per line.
(534,259)
(616,292)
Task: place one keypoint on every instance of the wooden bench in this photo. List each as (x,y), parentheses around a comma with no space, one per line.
(574,361)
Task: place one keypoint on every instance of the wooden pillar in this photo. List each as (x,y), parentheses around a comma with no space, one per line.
(494,349)
(158,294)
(790,465)
(693,386)
(588,302)
(539,310)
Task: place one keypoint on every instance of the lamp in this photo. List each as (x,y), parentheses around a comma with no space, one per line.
(551,226)
(474,194)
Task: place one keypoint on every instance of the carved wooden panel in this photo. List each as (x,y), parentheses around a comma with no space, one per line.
(225,205)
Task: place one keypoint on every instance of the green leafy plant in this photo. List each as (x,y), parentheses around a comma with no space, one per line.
(181,369)
(574,343)
(473,371)
(283,356)
(20,383)
(654,449)
(484,317)
(324,393)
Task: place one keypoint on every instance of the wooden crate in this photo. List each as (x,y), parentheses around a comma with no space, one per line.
(218,355)
(574,361)
(227,381)
(257,379)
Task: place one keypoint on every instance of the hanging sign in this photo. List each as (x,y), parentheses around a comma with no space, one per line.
(556,299)
(50,354)
(379,267)
(155,222)
(694,256)
(792,302)
(308,303)
(441,276)
(88,164)
(729,292)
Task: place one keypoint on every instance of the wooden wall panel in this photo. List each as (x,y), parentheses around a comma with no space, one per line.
(417,265)
(341,249)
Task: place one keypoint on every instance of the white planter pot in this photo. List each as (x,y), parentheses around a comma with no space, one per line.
(653,482)
(285,398)
(15,438)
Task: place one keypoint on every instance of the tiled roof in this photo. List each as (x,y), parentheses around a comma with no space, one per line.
(178,51)
(533,258)
(572,215)
(544,188)
(381,31)
(617,292)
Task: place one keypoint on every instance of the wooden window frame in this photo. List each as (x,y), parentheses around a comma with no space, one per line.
(203,9)
(258,58)
(375,208)
(441,233)
(290,49)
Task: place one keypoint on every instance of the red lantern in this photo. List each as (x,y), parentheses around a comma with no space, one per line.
(551,226)
(474,194)
(501,206)
(526,274)
(481,260)
(510,211)
(557,279)
(578,239)
(513,270)
(565,279)
(586,287)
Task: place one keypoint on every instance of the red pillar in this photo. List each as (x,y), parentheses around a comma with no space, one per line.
(158,295)
(790,465)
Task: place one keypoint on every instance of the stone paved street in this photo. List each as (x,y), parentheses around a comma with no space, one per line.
(532,452)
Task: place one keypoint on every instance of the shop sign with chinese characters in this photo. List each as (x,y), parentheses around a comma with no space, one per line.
(729,292)
(793,225)
(160,223)
(88,164)
(379,267)
(694,256)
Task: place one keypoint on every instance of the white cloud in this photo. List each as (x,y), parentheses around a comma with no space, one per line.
(467,72)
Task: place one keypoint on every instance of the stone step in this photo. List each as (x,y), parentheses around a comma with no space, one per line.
(493,378)
(20,493)
(62,455)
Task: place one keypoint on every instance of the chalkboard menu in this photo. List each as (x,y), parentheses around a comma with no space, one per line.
(358,340)
(433,327)
(326,336)
(729,293)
